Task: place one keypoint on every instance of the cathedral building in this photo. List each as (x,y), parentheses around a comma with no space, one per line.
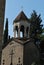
(20,49)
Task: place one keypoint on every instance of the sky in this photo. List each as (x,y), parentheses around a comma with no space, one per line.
(14,7)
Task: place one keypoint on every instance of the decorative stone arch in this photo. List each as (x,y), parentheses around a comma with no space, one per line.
(22,30)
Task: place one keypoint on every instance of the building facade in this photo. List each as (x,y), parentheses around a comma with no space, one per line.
(20,50)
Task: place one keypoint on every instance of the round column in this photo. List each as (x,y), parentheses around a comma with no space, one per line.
(19,32)
(25,32)
(15,33)
(28,33)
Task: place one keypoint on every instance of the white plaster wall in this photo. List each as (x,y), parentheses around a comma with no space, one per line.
(25,23)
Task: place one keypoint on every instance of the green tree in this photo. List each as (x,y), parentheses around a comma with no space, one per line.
(43,30)
(5,33)
(35,27)
(42,35)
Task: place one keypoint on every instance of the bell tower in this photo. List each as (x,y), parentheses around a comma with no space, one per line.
(2,12)
(21,26)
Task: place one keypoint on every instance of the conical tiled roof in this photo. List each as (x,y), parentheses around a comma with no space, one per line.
(21,16)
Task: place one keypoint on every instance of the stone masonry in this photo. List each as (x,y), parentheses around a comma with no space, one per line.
(2,10)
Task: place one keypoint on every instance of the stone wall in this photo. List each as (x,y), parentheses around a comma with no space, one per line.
(17,53)
(31,54)
(2,10)
(28,54)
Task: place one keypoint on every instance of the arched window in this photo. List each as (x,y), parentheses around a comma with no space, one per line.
(16,29)
(27,30)
(22,31)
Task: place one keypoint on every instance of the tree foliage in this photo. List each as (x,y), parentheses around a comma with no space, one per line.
(42,35)
(35,27)
(5,33)
(43,30)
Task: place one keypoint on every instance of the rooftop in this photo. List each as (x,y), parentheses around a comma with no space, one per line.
(21,16)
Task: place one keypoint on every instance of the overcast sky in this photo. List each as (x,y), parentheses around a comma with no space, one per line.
(14,7)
